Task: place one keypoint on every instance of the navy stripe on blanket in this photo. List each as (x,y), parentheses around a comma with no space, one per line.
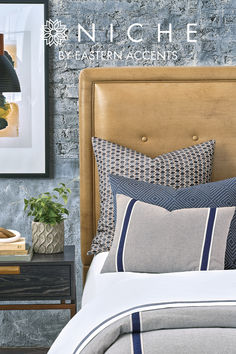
(120,265)
(136,337)
(208,239)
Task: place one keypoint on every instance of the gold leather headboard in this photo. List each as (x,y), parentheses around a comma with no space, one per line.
(153,110)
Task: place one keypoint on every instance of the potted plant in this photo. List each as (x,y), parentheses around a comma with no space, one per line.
(48,222)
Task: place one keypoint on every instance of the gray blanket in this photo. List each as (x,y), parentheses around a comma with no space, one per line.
(190,330)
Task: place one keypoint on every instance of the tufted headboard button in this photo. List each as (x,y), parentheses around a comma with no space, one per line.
(144,139)
(195,138)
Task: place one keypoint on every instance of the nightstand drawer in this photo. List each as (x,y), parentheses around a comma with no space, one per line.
(35,281)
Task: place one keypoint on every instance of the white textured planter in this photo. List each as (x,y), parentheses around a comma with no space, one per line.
(48,238)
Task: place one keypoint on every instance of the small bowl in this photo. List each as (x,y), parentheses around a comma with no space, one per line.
(11,239)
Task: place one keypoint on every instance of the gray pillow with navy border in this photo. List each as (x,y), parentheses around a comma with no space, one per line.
(214,194)
(151,239)
(180,168)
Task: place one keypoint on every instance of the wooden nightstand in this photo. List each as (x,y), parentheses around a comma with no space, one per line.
(46,277)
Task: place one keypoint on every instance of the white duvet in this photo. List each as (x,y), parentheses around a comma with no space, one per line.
(125,291)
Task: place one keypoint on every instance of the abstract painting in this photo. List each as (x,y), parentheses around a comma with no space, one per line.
(24,114)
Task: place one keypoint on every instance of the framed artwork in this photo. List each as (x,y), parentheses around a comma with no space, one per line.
(24,112)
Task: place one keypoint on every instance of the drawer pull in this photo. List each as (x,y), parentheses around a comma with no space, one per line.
(9,269)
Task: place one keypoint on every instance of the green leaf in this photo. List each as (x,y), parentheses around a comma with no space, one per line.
(65,199)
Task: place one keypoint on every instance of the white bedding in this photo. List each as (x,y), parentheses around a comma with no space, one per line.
(92,285)
(121,292)
(97,283)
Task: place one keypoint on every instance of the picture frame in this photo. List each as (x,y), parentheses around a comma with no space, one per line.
(24,143)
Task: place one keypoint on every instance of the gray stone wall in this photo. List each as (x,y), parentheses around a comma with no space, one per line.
(216,36)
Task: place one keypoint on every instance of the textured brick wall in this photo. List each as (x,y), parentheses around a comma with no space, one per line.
(216,21)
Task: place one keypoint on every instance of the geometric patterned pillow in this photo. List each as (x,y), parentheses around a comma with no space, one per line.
(208,195)
(180,168)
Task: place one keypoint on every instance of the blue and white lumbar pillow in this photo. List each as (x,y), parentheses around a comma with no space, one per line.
(180,168)
(151,239)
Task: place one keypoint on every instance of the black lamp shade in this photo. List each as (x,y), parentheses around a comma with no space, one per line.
(8,79)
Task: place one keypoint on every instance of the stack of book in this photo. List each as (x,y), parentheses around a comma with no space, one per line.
(15,251)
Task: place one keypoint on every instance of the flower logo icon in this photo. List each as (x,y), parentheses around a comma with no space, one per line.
(54,33)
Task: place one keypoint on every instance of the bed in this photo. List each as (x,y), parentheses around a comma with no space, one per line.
(153,111)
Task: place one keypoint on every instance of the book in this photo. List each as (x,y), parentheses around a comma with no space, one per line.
(13,252)
(18,257)
(18,245)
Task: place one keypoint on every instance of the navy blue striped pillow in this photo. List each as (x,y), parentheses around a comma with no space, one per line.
(209,195)
(151,239)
